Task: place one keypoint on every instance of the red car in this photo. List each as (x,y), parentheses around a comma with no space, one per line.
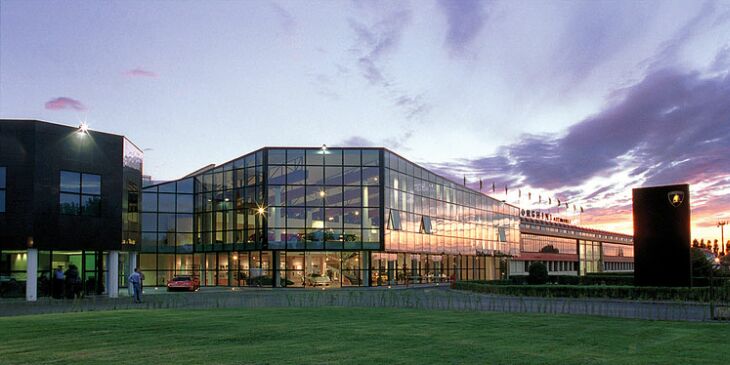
(183,283)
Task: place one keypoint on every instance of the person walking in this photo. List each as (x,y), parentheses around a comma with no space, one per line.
(136,281)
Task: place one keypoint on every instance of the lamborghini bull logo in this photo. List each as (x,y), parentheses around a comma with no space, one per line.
(676,198)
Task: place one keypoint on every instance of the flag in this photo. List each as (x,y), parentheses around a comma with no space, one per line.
(505,189)
(558,202)
(493,187)
(481,184)
(573,207)
(519,193)
(550,201)
(529,196)
(566,205)
(581,209)
(539,198)
(464,180)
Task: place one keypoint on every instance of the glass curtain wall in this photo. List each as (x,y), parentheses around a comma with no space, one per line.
(323,199)
(90,270)
(428,215)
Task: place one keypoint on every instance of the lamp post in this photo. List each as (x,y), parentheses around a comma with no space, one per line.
(721,224)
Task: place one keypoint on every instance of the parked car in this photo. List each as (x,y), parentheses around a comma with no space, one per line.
(189,283)
(318,280)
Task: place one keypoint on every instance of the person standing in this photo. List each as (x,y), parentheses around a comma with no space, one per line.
(58,280)
(136,281)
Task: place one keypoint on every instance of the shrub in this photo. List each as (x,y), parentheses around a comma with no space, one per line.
(538,273)
(601,291)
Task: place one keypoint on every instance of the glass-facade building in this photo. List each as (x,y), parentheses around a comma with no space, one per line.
(309,217)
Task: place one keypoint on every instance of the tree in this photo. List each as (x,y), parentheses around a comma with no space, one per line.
(538,273)
(701,265)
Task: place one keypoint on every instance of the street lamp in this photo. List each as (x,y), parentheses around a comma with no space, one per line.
(721,224)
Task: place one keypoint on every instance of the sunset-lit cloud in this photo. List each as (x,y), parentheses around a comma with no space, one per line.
(139,72)
(63,102)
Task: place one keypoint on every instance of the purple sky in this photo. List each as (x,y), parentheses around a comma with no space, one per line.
(574,100)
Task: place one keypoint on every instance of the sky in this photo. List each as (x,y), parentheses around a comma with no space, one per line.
(573,100)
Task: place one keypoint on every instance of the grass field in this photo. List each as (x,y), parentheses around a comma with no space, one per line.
(352,336)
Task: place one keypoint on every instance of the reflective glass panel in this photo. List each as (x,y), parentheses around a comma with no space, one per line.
(70,182)
(90,184)
(70,204)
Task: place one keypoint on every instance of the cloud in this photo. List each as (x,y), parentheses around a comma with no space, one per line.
(357,141)
(139,72)
(64,103)
(394,143)
(374,43)
(286,20)
(668,117)
(465,19)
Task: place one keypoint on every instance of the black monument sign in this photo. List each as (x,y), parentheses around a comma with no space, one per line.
(662,236)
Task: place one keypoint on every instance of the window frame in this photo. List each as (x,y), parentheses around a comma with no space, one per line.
(80,195)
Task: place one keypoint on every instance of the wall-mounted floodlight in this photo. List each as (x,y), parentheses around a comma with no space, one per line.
(83,128)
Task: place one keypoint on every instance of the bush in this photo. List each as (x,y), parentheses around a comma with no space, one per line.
(613,279)
(538,274)
(601,291)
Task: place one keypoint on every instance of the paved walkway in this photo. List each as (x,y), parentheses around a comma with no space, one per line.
(423,297)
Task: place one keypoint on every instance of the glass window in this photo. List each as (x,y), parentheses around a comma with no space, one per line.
(426,225)
(149,202)
(315,157)
(295,175)
(295,157)
(370,175)
(91,184)
(394,221)
(185,186)
(370,157)
(371,218)
(167,188)
(333,157)
(315,195)
(315,175)
(351,175)
(333,196)
(295,196)
(70,182)
(70,204)
(184,222)
(71,201)
(184,203)
(277,175)
(352,157)
(166,223)
(149,221)
(90,205)
(167,203)
(333,175)
(277,157)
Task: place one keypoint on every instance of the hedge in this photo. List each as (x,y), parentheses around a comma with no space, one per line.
(599,291)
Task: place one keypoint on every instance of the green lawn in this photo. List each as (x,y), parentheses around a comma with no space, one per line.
(352,336)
